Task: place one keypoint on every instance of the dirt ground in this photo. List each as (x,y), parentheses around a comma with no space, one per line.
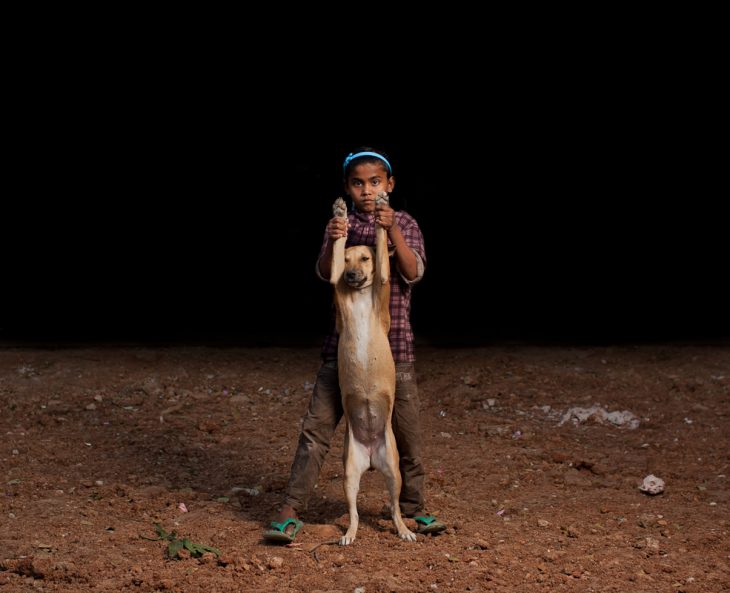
(539,488)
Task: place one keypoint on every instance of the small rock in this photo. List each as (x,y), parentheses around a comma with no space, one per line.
(559,457)
(149,491)
(543,523)
(652,485)
(652,544)
(647,520)
(339,560)
(325,532)
(208,425)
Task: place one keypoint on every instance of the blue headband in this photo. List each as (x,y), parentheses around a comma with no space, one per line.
(350,157)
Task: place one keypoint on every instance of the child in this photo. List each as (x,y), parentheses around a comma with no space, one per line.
(366,172)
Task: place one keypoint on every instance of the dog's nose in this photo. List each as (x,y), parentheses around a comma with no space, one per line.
(351,275)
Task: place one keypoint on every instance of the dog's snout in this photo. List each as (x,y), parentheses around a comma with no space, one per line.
(355,278)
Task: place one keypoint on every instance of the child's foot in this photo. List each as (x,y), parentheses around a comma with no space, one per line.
(285,527)
(428,524)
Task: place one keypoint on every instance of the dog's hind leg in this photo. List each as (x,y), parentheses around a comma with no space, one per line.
(385,459)
(357,461)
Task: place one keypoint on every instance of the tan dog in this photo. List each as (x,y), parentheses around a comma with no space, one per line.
(361,277)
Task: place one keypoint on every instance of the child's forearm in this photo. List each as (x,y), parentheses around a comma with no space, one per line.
(325,262)
(404,255)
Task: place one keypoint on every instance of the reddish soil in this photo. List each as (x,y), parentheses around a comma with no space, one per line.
(101,443)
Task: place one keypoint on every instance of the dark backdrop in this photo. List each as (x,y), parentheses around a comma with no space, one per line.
(579,221)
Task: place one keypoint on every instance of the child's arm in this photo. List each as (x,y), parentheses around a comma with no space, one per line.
(336,228)
(324,263)
(404,255)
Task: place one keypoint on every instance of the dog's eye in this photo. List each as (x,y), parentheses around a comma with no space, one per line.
(364,258)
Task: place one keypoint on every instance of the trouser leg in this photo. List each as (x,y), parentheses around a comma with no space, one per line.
(407,429)
(318,426)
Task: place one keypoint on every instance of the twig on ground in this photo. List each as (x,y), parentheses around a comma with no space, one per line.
(313,550)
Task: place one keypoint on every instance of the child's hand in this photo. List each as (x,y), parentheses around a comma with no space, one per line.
(337,228)
(384,215)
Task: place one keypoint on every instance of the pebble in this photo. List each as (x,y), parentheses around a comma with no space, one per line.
(652,485)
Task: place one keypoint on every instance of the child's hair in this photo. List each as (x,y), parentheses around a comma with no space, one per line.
(365,154)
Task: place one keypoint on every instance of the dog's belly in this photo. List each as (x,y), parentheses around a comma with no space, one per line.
(367,417)
(366,374)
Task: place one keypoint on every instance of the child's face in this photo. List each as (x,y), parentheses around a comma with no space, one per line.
(365,181)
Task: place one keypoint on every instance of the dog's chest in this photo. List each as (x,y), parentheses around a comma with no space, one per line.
(360,326)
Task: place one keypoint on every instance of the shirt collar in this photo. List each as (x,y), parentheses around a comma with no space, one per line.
(365,217)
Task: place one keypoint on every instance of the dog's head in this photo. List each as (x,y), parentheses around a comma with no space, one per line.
(359,266)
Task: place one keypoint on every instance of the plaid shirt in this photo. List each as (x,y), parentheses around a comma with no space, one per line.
(362,232)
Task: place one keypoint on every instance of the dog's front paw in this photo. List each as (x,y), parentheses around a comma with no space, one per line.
(407,535)
(346,540)
(339,208)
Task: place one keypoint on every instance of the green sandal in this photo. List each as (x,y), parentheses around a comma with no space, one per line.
(429,524)
(278,533)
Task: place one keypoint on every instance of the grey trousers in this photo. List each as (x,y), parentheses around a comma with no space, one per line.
(320,422)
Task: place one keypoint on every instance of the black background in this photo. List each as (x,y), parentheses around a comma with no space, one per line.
(589,215)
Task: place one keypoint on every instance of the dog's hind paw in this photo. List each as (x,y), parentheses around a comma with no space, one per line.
(408,536)
(346,540)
